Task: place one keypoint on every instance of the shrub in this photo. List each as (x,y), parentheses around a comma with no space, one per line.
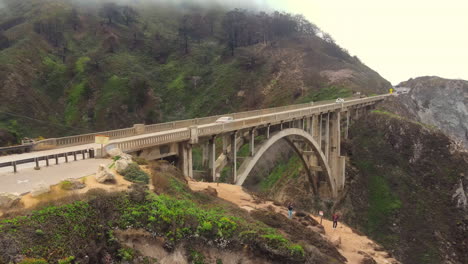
(196,257)
(296,250)
(133,173)
(33,261)
(140,161)
(66,185)
(126,254)
(67,260)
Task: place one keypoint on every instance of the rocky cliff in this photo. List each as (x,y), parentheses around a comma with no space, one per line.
(438,102)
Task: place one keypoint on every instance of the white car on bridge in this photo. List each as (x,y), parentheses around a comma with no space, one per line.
(224,119)
(339,100)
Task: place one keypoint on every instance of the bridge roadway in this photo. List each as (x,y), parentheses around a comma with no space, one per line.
(181,134)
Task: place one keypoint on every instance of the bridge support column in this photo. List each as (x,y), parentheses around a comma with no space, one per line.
(225,144)
(336,161)
(327,137)
(320,131)
(212,157)
(304,127)
(205,155)
(347,125)
(252,142)
(234,155)
(185,159)
(268,132)
(315,129)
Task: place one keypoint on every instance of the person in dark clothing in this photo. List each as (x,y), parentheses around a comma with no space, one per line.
(335,218)
(290,210)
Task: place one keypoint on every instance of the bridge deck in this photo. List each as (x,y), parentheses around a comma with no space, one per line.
(202,129)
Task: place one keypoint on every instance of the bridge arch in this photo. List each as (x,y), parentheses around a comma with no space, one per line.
(250,163)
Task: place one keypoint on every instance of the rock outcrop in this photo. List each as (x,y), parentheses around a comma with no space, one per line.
(8,200)
(104,175)
(438,102)
(40,189)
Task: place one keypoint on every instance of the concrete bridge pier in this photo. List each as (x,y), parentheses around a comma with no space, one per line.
(185,163)
(252,141)
(327,136)
(212,157)
(336,161)
(234,155)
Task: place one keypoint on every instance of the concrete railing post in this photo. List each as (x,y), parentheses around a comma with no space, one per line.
(193,134)
(139,129)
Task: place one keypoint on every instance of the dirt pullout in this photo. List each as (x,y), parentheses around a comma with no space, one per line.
(57,193)
(352,246)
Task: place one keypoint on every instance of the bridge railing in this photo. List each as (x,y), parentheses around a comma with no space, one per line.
(127,132)
(136,144)
(145,129)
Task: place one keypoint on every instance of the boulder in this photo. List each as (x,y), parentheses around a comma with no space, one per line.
(104,175)
(125,156)
(300,214)
(367,259)
(115,152)
(40,189)
(311,220)
(318,229)
(121,165)
(9,200)
(336,241)
(211,191)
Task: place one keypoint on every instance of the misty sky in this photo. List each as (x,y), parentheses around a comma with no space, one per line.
(400,38)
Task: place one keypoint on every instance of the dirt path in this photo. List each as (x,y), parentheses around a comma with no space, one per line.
(352,246)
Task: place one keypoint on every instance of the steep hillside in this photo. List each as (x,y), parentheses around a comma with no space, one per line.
(406,188)
(67,68)
(438,102)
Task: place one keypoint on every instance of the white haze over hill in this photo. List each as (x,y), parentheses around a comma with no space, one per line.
(400,39)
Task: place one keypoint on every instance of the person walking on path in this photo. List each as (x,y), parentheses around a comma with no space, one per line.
(290,210)
(335,218)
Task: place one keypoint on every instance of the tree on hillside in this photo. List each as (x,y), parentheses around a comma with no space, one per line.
(74,19)
(233,24)
(161,48)
(4,41)
(112,12)
(210,19)
(52,29)
(130,15)
(185,30)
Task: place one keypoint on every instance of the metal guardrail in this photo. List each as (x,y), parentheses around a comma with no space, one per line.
(15,163)
(16,149)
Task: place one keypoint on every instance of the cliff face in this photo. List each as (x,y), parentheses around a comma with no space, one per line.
(439,102)
(406,188)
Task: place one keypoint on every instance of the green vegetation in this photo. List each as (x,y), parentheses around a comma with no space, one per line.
(392,115)
(328,93)
(290,169)
(172,218)
(382,201)
(134,173)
